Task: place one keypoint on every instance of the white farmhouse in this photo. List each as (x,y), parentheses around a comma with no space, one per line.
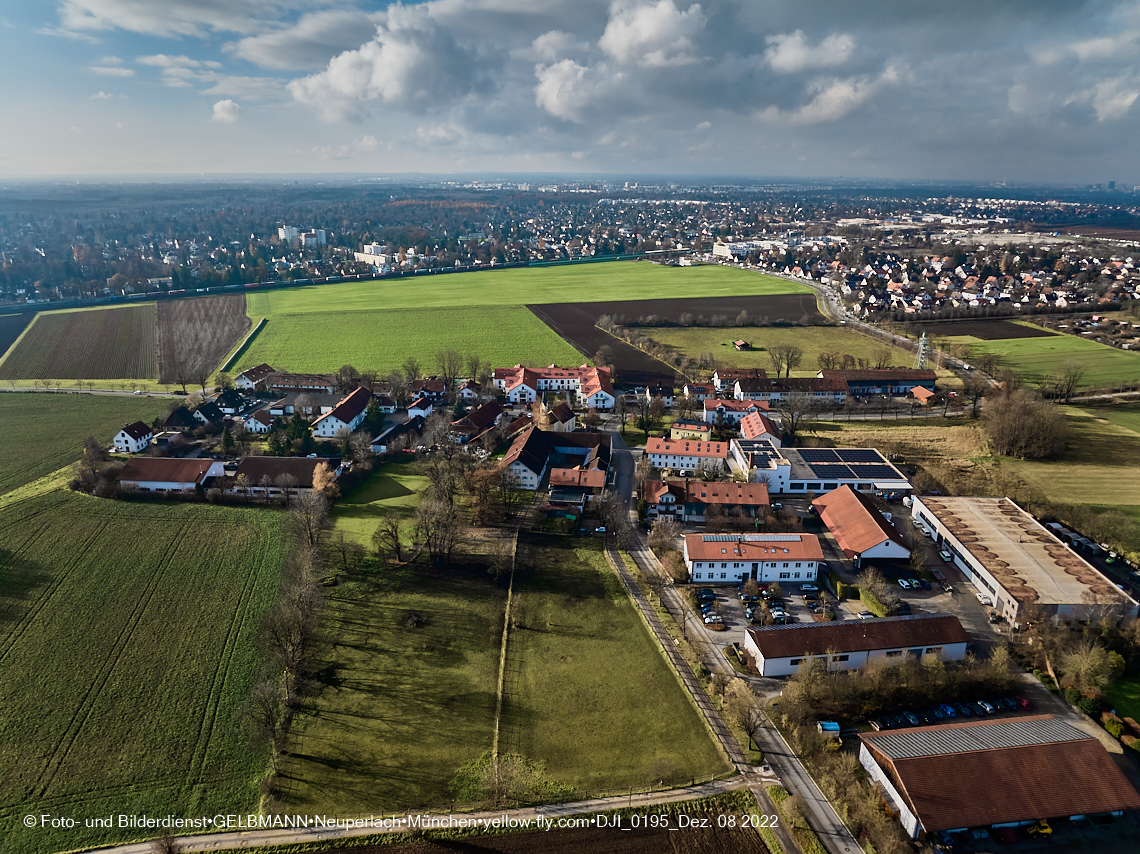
(133,438)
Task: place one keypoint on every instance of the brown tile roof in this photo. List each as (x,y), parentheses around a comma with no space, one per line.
(710,492)
(736,405)
(687,448)
(756,424)
(1022,782)
(351,406)
(256,372)
(881,375)
(854,521)
(166,471)
(302,468)
(857,635)
(562,413)
(583,478)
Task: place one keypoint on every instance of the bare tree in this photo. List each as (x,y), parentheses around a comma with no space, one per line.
(828,360)
(386,538)
(165,844)
(1064,381)
(1025,427)
(370,380)
(412,369)
(265,716)
(797,410)
(439,528)
(309,517)
(474,366)
(974,389)
(785,357)
(511,494)
(398,388)
(360,451)
(882,357)
(664,534)
(450,363)
(346,379)
(350,552)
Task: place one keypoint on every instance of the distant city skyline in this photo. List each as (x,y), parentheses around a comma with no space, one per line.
(1023,91)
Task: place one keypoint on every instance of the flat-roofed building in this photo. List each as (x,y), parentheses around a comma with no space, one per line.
(1000,772)
(1015,562)
(733,558)
(850,644)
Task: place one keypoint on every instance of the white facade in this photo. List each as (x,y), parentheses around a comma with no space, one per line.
(259,422)
(528,479)
(125,443)
(907,819)
(734,572)
(423,410)
(328,425)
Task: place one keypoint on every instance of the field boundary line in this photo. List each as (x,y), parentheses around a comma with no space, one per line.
(96,686)
(503,657)
(4,356)
(243,345)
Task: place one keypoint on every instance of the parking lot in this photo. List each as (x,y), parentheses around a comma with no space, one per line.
(1093,834)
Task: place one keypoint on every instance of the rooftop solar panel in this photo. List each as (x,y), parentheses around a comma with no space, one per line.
(833,471)
(859,455)
(876,472)
(819,455)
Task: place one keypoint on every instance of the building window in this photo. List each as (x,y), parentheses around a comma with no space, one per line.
(795,486)
(894,653)
(813,487)
(797,564)
(797,661)
(722,575)
(934,650)
(797,575)
(785,575)
(840,658)
(830,486)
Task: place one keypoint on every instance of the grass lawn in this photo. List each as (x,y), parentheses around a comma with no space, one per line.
(1035,358)
(1125,698)
(1126,415)
(400,709)
(126,648)
(695,340)
(381,339)
(617,280)
(593,697)
(391,488)
(43,432)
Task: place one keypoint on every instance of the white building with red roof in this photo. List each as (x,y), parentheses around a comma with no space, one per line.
(590,386)
(346,415)
(860,530)
(733,558)
(757,425)
(687,454)
(133,438)
(731,412)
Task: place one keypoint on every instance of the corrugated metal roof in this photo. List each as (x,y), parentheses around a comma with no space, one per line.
(948,738)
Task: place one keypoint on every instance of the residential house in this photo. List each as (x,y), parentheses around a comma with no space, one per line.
(686,428)
(535,452)
(699,391)
(181,419)
(724,380)
(412,427)
(561,419)
(734,558)
(254,377)
(259,422)
(421,407)
(477,422)
(209,413)
(665,392)
(590,387)
(310,404)
(280,382)
(230,401)
(133,438)
(346,415)
(469,392)
(757,425)
(276,477)
(432,388)
(775,390)
(881,380)
(730,412)
(685,454)
(689,500)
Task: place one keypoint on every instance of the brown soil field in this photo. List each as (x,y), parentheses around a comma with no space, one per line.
(607,840)
(11,325)
(116,343)
(575,323)
(986,330)
(196,334)
(1110,233)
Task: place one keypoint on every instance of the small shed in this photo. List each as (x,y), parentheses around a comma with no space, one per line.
(742,345)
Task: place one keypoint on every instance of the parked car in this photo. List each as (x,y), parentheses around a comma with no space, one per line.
(964,710)
(986,707)
(945,555)
(879,723)
(866,615)
(949,710)
(911,718)
(1040,828)
(937,713)
(1007,704)
(904,584)
(1024,703)
(713,618)
(921,582)
(811,588)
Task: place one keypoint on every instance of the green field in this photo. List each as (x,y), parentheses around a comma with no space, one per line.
(43,432)
(695,340)
(1125,698)
(594,698)
(618,280)
(125,650)
(1091,471)
(1035,358)
(392,488)
(381,339)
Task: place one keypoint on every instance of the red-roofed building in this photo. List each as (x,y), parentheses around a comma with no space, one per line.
(922,395)
(686,454)
(772,389)
(253,377)
(688,500)
(757,425)
(732,558)
(858,527)
(591,386)
(730,412)
(159,475)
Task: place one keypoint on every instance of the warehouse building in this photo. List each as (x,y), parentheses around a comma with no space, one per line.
(850,644)
(1015,562)
(1001,772)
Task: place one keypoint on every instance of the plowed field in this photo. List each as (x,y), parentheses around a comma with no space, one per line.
(986,330)
(114,343)
(196,334)
(575,322)
(11,325)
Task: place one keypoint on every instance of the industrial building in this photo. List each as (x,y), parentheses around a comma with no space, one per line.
(1001,772)
(850,644)
(798,471)
(1015,562)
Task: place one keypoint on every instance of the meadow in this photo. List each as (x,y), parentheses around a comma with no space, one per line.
(617,280)
(126,649)
(1036,358)
(44,432)
(392,488)
(381,339)
(695,340)
(589,694)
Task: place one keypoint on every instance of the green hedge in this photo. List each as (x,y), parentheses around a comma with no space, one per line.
(872,603)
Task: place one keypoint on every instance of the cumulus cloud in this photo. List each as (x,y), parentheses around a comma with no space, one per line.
(226,111)
(570,91)
(831,99)
(246,88)
(651,34)
(790,52)
(1112,99)
(111,71)
(551,47)
(311,42)
(101,96)
(412,60)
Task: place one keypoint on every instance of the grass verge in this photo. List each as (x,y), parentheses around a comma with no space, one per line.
(790,812)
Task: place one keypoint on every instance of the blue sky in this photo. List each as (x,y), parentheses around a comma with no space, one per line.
(1015,90)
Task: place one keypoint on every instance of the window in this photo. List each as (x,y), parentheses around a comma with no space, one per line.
(723,565)
(797,575)
(785,575)
(840,658)
(894,653)
(796,661)
(813,487)
(785,564)
(722,575)
(795,486)
(797,564)
(934,650)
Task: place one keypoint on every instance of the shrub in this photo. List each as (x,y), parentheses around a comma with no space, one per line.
(1133,727)
(1089,705)
(1130,741)
(872,603)
(1115,727)
(1072,696)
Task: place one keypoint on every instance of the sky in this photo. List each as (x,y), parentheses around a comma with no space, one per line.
(1022,91)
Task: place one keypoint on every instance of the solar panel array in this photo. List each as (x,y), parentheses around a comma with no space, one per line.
(1016,732)
(751,538)
(819,455)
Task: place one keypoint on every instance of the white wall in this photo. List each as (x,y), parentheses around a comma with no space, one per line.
(908,819)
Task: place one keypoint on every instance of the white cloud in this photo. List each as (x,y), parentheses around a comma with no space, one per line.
(566,89)
(162,60)
(551,47)
(309,43)
(101,96)
(172,17)
(110,60)
(412,60)
(831,99)
(790,52)
(651,34)
(703,126)
(64,33)
(1113,98)
(111,71)
(246,88)
(226,111)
